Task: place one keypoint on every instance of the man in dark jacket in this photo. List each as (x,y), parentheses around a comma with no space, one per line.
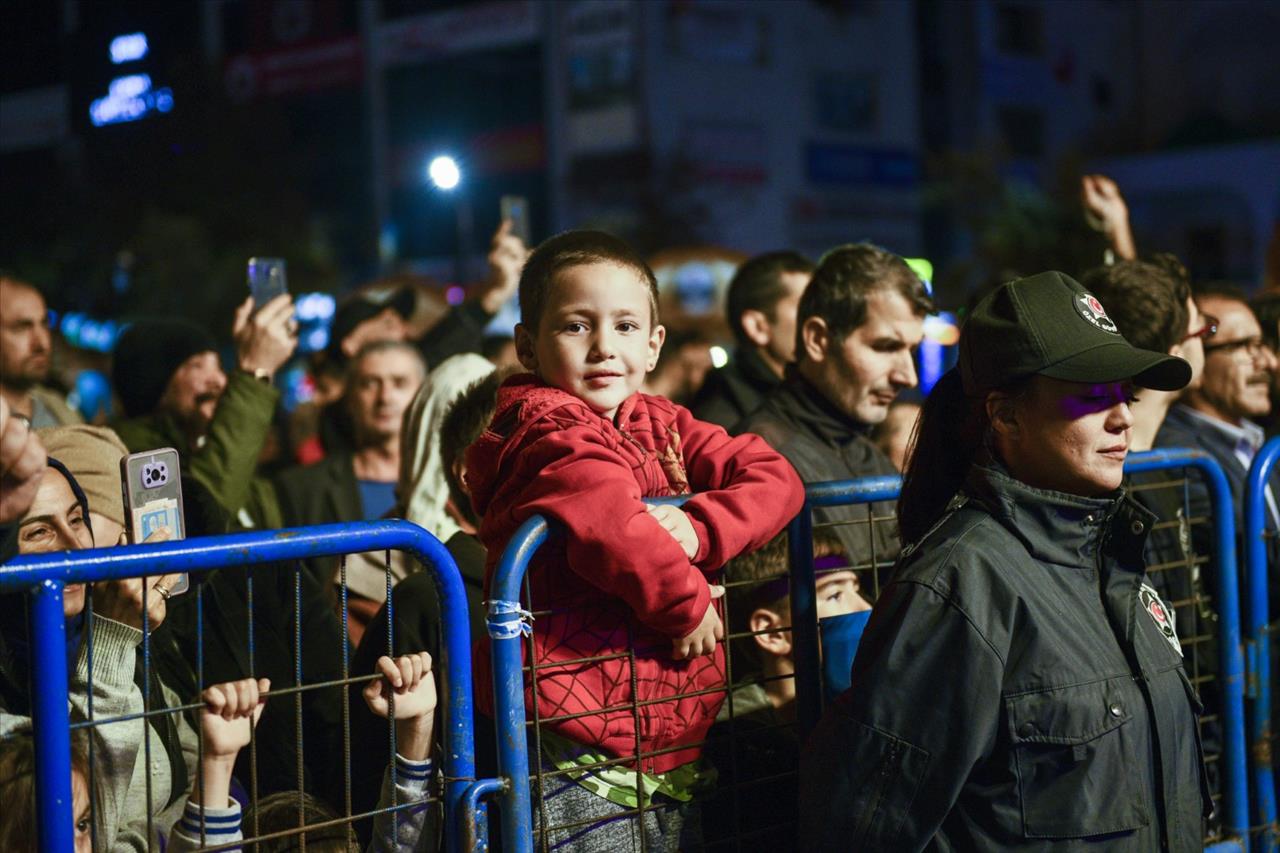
(359,484)
(859,323)
(763,298)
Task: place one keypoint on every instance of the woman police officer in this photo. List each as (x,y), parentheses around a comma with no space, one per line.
(1020,685)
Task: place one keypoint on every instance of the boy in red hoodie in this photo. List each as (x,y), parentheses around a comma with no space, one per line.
(576,442)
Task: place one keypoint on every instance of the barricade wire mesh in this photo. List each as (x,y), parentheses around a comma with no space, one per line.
(753,747)
(162,734)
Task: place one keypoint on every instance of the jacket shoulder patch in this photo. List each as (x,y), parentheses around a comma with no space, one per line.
(1161,614)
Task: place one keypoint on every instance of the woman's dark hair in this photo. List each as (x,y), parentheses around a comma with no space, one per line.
(950,434)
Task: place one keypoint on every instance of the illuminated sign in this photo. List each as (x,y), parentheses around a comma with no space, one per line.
(129,99)
(128,48)
(132,96)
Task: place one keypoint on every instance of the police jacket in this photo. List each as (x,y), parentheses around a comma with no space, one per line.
(1019,687)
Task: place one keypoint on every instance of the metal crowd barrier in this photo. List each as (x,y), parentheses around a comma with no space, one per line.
(1260,635)
(1234,789)
(45,576)
(517,808)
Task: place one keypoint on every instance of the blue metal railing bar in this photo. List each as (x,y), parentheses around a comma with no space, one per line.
(1257,615)
(516,811)
(45,576)
(1235,784)
(804,602)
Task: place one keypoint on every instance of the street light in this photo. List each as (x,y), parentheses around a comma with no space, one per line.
(446,176)
(444,172)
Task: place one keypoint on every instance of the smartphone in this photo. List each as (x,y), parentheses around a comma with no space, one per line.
(151,485)
(516,208)
(267,280)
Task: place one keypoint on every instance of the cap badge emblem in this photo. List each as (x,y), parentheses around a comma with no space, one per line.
(1091,309)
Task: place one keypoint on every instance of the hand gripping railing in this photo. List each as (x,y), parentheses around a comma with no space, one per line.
(1258,631)
(46,575)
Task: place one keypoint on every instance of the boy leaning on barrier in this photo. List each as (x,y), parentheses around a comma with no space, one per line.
(577,443)
(212,818)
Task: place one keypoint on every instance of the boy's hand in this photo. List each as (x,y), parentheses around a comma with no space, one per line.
(230,712)
(413,682)
(675,522)
(414,685)
(703,639)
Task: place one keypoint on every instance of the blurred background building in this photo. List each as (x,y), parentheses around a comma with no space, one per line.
(147,150)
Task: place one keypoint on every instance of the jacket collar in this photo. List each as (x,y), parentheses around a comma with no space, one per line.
(803,403)
(1059,528)
(752,368)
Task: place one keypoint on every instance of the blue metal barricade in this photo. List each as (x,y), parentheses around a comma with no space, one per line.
(1259,638)
(45,576)
(508,625)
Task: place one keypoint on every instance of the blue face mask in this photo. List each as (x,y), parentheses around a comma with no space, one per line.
(840,636)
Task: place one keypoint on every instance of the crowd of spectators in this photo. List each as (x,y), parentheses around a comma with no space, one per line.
(467,436)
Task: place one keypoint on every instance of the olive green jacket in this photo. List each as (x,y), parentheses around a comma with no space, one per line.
(227,462)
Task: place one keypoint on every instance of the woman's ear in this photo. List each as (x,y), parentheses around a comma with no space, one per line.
(770,632)
(1002,413)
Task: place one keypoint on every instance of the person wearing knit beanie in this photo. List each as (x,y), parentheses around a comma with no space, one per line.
(92,454)
(147,356)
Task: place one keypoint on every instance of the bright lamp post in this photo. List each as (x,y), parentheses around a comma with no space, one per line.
(446,176)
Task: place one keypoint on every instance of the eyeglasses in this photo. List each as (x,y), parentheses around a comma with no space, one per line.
(1208,330)
(1253,347)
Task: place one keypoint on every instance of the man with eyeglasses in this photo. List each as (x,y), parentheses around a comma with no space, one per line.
(1220,416)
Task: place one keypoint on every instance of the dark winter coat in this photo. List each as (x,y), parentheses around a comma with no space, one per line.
(1019,687)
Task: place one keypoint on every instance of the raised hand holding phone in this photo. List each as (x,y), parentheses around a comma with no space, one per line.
(151,485)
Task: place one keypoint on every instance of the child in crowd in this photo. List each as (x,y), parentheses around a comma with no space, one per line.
(212,817)
(18,792)
(754,745)
(575,442)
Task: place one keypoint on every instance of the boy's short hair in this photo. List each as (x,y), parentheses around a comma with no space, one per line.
(278,812)
(761,580)
(1146,299)
(575,249)
(461,426)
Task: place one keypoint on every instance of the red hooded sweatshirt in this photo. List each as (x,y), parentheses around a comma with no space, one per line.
(613,578)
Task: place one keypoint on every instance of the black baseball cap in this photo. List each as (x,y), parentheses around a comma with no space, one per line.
(1048,324)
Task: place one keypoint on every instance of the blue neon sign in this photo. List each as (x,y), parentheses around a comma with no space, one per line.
(128,48)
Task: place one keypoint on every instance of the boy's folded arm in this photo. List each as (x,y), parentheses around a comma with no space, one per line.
(747,491)
(611,541)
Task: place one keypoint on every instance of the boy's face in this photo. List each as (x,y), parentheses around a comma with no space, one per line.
(596,339)
(838,595)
